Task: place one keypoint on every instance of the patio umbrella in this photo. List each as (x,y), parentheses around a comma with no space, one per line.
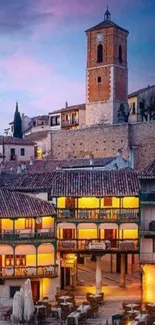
(17,312)
(28,301)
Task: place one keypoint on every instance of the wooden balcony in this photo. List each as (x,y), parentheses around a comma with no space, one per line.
(27,235)
(99,215)
(66,124)
(98,246)
(46,271)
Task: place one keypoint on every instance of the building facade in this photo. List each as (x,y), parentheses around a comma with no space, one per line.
(107,71)
(141,104)
(16,149)
(27,248)
(92,212)
(147,232)
(68,118)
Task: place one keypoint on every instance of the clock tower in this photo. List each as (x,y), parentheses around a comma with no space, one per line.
(107,71)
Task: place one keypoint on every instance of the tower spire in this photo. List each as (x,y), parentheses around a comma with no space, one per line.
(107,15)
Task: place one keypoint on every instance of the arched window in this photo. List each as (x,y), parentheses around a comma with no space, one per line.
(120,54)
(99,53)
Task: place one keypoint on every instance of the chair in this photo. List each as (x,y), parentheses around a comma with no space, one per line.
(83,318)
(71,321)
(101,298)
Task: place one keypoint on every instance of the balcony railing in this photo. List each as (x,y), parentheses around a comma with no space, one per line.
(148,258)
(50,271)
(69,123)
(147,197)
(110,245)
(27,234)
(99,214)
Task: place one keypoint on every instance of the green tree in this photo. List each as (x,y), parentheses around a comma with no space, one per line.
(147,108)
(123,114)
(17,124)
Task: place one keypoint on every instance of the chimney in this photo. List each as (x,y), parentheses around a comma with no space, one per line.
(66,105)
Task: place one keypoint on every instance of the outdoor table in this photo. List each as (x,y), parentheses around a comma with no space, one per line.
(95,296)
(133,311)
(142,318)
(83,308)
(131,305)
(58,310)
(64,298)
(76,317)
(69,304)
(39,307)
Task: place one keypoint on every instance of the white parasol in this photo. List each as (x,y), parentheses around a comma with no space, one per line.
(28,301)
(17,312)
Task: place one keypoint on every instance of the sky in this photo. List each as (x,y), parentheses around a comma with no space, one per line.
(43,50)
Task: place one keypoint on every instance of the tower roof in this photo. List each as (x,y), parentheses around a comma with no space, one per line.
(106,23)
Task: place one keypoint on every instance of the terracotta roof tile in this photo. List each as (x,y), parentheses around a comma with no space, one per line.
(81,183)
(70,108)
(149,171)
(36,136)
(87,162)
(33,181)
(106,24)
(16,141)
(139,91)
(14,204)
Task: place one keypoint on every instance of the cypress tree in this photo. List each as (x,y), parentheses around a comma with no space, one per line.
(17,124)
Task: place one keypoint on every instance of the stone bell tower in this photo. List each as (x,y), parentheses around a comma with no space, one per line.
(107,71)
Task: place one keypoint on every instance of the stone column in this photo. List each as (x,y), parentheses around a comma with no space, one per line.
(98,275)
(122,276)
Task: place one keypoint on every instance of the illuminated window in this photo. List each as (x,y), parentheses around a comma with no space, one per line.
(28,223)
(20,260)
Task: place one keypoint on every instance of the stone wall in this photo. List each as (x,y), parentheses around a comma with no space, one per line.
(105,141)
(142,139)
(97,141)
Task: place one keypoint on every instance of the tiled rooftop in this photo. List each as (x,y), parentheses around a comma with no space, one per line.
(36,136)
(81,183)
(15,141)
(95,183)
(14,204)
(149,171)
(106,24)
(33,181)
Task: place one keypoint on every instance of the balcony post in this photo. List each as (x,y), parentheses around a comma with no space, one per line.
(13,229)
(122,275)
(14,261)
(36,260)
(77,237)
(98,275)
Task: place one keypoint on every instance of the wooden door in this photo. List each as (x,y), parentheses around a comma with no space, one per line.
(35,285)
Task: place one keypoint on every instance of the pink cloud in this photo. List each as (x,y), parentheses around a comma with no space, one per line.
(45,89)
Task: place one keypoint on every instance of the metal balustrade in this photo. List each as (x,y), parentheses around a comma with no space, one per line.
(29,271)
(99,214)
(111,244)
(22,235)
